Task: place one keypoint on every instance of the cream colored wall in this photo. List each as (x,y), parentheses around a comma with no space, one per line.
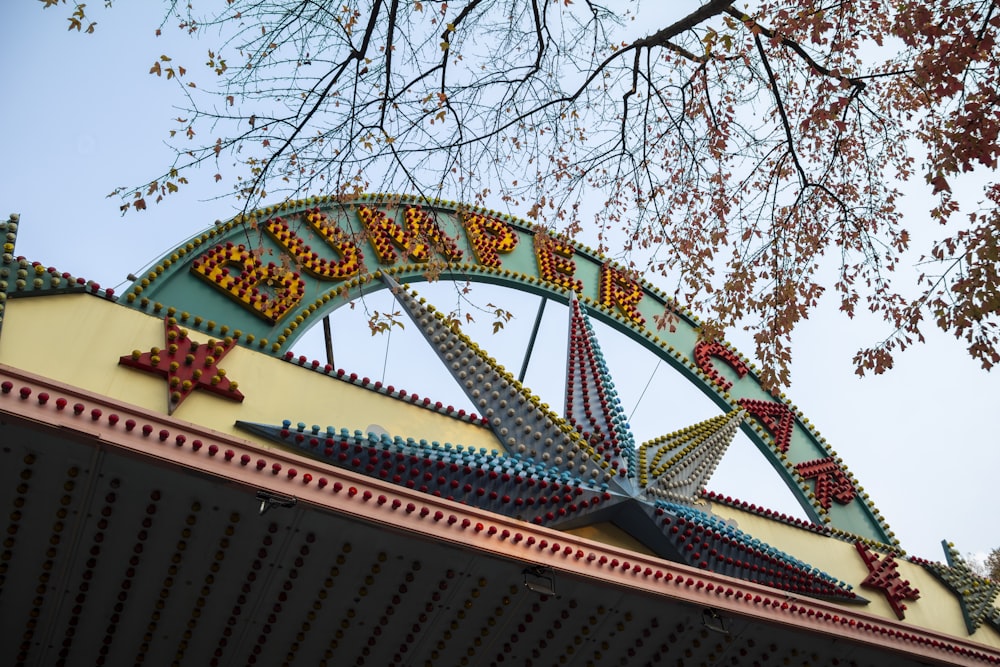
(77,339)
(937,608)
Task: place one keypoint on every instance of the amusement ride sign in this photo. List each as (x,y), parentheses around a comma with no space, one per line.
(518,482)
(260,281)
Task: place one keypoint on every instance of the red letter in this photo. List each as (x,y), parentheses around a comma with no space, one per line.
(706,349)
(775,417)
(831,482)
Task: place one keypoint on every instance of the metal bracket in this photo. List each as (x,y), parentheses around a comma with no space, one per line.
(269,500)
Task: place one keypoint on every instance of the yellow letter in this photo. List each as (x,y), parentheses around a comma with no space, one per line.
(488,237)
(417,242)
(618,290)
(268,291)
(303,255)
(554,263)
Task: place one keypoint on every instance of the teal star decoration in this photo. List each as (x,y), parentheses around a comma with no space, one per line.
(977,595)
(566,473)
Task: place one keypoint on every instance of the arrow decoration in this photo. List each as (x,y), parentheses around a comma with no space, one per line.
(520,487)
(677,466)
(592,405)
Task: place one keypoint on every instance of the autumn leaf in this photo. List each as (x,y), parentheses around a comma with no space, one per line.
(737,160)
(939,184)
(76,20)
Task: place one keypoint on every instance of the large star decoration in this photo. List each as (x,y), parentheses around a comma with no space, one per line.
(187,365)
(568,473)
(976,594)
(883,575)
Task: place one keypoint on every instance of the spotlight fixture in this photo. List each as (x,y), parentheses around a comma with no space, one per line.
(714,621)
(269,500)
(539,580)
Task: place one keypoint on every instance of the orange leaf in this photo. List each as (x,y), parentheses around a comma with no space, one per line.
(940,184)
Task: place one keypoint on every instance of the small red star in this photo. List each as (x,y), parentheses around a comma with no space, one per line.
(187,365)
(882,574)
(831,482)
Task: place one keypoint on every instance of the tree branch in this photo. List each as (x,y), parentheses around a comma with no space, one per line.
(662,37)
(781,111)
(756,27)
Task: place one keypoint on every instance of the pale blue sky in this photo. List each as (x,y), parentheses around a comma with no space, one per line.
(82,116)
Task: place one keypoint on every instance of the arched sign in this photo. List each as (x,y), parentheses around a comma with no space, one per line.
(262,280)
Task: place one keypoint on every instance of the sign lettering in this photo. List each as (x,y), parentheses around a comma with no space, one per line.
(268,291)
(555,263)
(347,267)
(489,237)
(621,292)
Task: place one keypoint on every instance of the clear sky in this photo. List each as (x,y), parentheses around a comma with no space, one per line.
(82,116)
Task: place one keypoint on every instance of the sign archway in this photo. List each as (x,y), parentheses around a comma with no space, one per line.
(262,280)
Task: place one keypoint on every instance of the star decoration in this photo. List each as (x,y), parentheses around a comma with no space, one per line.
(187,365)
(592,405)
(976,594)
(677,466)
(567,473)
(883,575)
